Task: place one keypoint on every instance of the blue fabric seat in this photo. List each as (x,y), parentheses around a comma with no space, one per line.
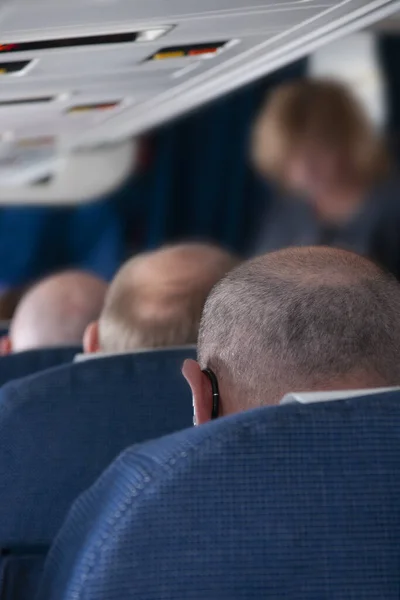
(60,429)
(298,502)
(22,364)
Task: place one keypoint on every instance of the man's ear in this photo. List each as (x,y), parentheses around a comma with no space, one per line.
(5,345)
(91,338)
(201,391)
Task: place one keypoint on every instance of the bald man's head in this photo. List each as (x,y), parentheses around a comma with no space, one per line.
(306,319)
(156,299)
(56,311)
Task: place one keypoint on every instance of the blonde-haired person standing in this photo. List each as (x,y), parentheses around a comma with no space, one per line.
(333,179)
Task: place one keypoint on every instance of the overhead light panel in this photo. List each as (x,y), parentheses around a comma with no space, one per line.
(13,67)
(145,35)
(36,142)
(207,50)
(151,35)
(94,107)
(24,101)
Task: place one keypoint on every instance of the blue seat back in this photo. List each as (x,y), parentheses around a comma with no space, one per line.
(299,502)
(61,428)
(22,364)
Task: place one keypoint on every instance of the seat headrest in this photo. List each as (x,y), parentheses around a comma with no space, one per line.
(61,428)
(287,502)
(23,364)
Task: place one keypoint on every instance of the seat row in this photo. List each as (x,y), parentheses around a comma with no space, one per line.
(295,501)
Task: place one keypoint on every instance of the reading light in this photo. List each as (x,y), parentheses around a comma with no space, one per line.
(150,35)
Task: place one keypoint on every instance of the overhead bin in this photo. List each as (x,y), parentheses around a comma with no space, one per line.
(158,59)
(75,179)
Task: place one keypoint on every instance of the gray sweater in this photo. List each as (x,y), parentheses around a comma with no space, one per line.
(374,231)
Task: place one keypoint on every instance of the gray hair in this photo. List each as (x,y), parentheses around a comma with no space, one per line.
(301,320)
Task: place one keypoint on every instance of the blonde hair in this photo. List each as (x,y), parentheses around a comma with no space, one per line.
(324,113)
(156,299)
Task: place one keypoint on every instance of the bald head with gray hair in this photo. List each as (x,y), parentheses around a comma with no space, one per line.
(156,299)
(56,311)
(301,319)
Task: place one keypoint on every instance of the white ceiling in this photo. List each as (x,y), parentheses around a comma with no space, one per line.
(261,34)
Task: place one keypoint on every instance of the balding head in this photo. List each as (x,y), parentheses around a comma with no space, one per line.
(156,299)
(302,319)
(56,311)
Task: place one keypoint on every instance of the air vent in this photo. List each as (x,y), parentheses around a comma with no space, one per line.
(10,68)
(97,107)
(207,50)
(24,101)
(146,35)
(43,181)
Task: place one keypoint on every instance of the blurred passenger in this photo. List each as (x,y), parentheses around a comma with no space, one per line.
(314,141)
(55,312)
(297,320)
(156,299)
